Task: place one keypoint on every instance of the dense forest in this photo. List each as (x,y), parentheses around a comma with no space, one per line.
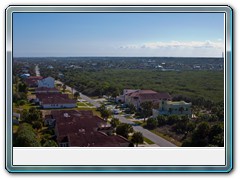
(193,84)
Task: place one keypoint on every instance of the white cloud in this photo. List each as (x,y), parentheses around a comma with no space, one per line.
(176,44)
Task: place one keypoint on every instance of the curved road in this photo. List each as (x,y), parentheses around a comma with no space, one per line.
(148,134)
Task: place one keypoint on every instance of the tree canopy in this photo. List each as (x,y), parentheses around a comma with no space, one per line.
(26,137)
(137,138)
(124,129)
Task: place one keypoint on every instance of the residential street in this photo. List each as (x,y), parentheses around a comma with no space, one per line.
(86,98)
(153,137)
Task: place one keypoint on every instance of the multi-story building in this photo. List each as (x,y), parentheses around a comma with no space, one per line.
(46,82)
(137,97)
(173,107)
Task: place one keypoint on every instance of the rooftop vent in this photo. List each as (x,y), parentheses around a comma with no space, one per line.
(66,115)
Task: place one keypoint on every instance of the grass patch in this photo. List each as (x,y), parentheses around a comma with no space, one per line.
(148,140)
(84,108)
(31,89)
(96,113)
(168,138)
(89,104)
(81,104)
(71,96)
(28,106)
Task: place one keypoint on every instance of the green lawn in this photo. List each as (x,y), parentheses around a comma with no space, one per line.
(170,139)
(89,104)
(81,104)
(28,106)
(84,108)
(148,140)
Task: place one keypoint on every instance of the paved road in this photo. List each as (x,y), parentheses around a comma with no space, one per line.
(153,137)
(37,70)
(148,134)
(86,98)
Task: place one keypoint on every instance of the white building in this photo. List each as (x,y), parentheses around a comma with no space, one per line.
(173,108)
(46,82)
(55,101)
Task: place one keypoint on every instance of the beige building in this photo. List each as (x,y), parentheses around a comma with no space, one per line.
(136,97)
(173,108)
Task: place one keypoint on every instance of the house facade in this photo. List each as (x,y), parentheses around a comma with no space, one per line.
(173,108)
(46,82)
(139,96)
(122,98)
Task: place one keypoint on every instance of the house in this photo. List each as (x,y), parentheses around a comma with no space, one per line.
(32,81)
(139,96)
(83,129)
(122,97)
(46,90)
(24,76)
(54,100)
(46,82)
(173,108)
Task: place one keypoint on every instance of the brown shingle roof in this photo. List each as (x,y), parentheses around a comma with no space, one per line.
(54,98)
(46,89)
(80,128)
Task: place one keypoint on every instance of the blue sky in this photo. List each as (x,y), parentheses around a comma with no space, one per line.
(118,34)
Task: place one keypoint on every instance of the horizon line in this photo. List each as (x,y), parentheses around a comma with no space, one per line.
(116,57)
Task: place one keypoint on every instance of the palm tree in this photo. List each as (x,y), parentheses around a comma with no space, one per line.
(146,109)
(137,138)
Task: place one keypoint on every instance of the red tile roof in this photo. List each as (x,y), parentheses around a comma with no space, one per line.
(54,98)
(32,80)
(150,95)
(95,139)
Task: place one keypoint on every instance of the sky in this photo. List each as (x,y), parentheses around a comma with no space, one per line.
(118,34)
